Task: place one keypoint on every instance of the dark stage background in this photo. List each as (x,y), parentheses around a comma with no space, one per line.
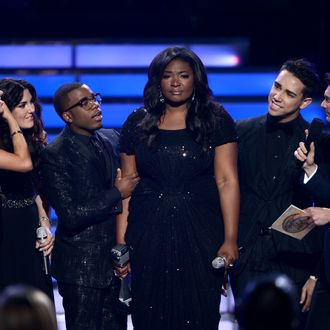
(271,31)
(276,29)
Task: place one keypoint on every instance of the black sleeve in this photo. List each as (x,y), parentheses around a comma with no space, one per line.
(319,186)
(57,176)
(129,137)
(225,131)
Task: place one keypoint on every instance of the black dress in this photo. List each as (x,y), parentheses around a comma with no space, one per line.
(174,228)
(20,261)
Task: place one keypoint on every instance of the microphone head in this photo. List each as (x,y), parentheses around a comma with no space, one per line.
(41,234)
(218,262)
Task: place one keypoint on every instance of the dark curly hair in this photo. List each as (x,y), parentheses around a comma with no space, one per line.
(203,110)
(306,72)
(36,137)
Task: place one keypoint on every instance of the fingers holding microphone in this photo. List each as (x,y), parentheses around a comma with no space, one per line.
(227,255)
(45,240)
(221,262)
(45,244)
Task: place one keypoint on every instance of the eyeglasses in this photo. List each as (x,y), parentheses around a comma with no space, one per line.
(327,100)
(86,101)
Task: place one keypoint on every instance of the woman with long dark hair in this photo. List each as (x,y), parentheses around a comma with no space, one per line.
(19,159)
(22,211)
(184,211)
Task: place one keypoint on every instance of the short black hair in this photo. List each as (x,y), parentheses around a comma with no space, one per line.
(306,72)
(60,98)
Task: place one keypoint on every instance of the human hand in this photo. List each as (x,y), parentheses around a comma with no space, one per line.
(319,215)
(307,294)
(126,184)
(4,111)
(46,245)
(306,158)
(229,252)
(123,271)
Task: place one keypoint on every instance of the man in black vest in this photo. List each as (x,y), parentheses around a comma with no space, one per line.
(269,181)
(82,182)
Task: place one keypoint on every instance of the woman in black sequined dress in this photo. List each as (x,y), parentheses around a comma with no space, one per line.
(184,211)
(21,259)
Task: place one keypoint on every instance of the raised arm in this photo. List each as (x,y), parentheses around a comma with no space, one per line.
(225,168)
(19,160)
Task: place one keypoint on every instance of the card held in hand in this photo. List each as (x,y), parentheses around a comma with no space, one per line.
(293,222)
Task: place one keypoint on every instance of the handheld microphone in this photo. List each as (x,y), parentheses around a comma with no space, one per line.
(314,132)
(218,262)
(41,237)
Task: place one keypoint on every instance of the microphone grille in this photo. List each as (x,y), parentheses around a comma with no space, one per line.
(218,263)
(41,234)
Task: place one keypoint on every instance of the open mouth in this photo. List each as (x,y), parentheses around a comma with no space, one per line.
(97,115)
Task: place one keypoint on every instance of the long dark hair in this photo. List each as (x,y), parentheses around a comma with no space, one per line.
(203,110)
(13,90)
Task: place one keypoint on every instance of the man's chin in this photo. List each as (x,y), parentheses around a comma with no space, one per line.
(274,114)
(99,125)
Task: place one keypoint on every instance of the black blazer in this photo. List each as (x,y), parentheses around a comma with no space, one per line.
(319,186)
(86,203)
(262,204)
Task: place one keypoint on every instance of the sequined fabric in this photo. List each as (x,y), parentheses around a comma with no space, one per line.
(17,203)
(82,194)
(174,229)
(20,261)
(82,307)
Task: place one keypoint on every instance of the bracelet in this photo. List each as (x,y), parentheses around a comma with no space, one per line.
(314,278)
(16,132)
(43,218)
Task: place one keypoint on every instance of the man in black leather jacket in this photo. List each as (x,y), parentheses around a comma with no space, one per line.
(82,182)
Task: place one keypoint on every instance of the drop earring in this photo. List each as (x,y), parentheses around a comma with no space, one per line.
(161,97)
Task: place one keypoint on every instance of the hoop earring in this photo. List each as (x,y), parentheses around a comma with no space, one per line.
(161,97)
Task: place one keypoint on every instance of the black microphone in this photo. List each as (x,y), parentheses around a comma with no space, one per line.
(41,237)
(314,133)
